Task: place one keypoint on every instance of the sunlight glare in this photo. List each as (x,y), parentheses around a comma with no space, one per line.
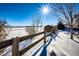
(45,10)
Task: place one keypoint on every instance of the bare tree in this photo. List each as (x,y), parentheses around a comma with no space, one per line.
(34,26)
(65,12)
(76,22)
(3,32)
(76,17)
(38,23)
(2,29)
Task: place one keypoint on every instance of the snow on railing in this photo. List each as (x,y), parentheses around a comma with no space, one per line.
(15,43)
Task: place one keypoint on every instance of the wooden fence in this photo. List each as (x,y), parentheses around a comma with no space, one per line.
(15,43)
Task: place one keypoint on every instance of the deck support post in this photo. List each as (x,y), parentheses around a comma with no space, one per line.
(15,46)
(44,37)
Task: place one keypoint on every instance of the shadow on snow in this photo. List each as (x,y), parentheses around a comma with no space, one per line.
(44,51)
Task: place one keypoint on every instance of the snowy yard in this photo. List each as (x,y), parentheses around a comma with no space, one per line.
(60,43)
(19,32)
(65,45)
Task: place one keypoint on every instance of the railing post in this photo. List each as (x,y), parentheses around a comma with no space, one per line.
(15,47)
(44,37)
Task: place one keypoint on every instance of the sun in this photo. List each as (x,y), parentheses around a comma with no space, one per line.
(46,10)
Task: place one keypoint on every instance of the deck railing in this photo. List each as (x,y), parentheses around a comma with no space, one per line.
(15,43)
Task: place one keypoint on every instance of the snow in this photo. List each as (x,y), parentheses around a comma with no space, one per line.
(66,45)
(60,43)
(14,32)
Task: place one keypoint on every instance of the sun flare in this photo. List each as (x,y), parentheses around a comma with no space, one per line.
(46,10)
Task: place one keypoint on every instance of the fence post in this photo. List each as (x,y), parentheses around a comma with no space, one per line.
(15,47)
(44,37)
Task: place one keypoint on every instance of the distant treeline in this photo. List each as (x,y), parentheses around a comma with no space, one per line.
(20,26)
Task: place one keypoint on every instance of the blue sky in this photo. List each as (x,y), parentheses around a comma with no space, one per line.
(23,14)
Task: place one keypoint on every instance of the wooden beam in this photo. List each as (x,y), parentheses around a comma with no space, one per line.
(6,43)
(15,47)
(32,45)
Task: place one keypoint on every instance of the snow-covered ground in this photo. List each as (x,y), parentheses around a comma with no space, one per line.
(60,43)
(65,45)
(14,32)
